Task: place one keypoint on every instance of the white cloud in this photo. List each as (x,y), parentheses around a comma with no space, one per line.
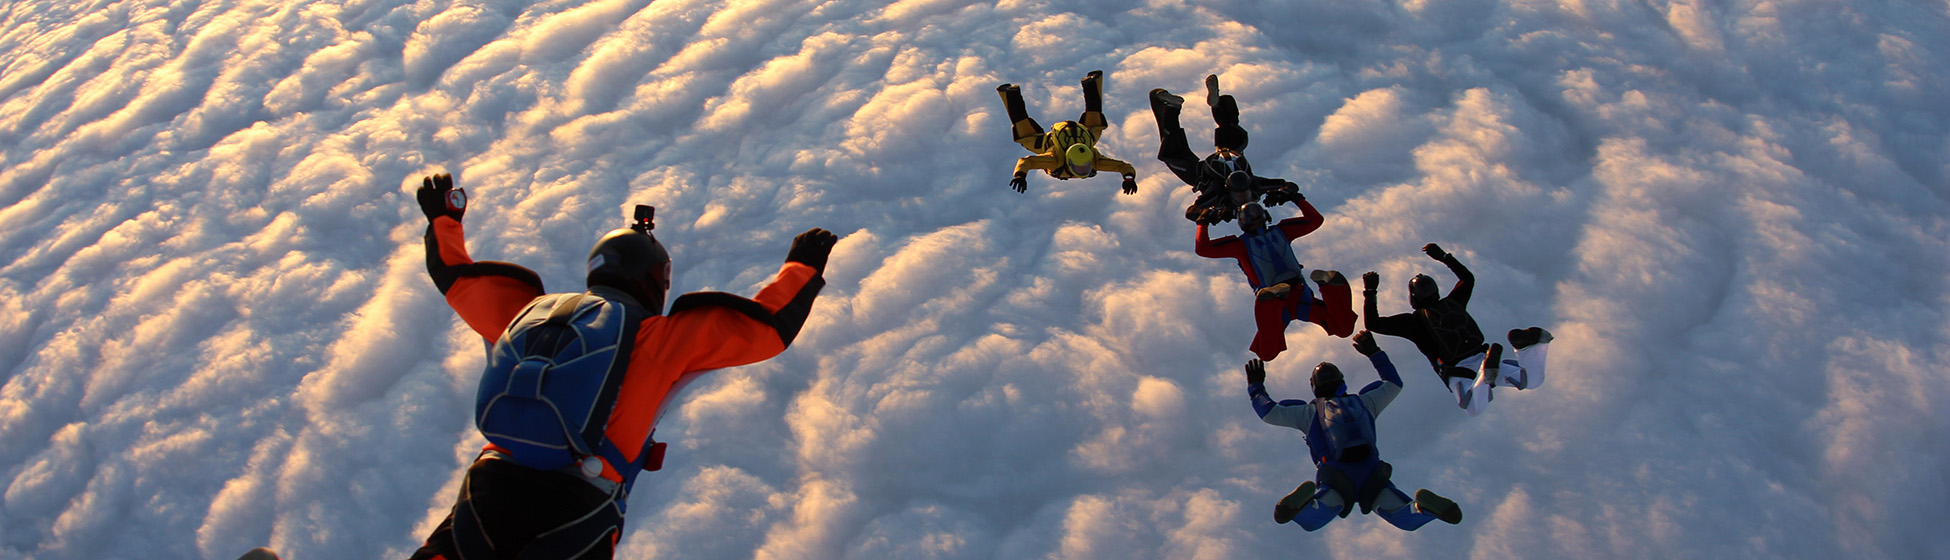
(1730,217)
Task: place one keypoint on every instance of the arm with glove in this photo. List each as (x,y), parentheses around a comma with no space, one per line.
(732,331)
(486,294)
(1465,281)
(1377,395)
(1291,413)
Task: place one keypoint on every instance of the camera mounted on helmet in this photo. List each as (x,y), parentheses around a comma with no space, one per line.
(644,214)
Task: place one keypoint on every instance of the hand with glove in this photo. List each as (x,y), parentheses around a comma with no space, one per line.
(1364,343)
(1370,281)
(438,197)
(811,248)
(1130,185)
(1019,183)
(1435,252)
(1287,193)
(1255,372)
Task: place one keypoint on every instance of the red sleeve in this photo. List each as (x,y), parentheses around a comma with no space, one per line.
(1222,248)
(706,333)
(486,295)
(724,333)
(1308,221)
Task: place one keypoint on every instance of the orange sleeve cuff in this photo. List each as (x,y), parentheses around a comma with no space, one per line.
(786,285)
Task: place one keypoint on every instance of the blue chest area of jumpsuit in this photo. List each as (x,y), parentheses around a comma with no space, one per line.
(1355,427)
(1271,256)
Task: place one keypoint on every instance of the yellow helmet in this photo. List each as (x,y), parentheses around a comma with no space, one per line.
(1080,157)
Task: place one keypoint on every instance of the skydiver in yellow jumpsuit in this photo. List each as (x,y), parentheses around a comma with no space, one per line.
(1069,149)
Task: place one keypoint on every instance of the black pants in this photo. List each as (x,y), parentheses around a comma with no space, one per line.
(514,505)
(1175,150)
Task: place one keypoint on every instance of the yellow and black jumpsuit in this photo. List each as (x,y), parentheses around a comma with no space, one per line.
(1048,147)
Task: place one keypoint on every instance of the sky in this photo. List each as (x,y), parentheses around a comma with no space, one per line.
(1732,215)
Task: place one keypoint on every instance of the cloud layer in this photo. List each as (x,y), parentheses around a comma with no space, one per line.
(1732,217)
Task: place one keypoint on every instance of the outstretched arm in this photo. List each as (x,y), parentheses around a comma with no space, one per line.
(1039,161)
(1308,221)
(1377,395)
(1120,166)
(1222,248)
(1465,282)
(745,331)
(1291,413)
(1392,325)
(487,295)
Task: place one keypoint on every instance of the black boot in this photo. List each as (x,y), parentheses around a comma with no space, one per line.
(1524,338)
(1012,100)
(1327,278)
(1164,107)
(1228,135)
(1276,291)
(1443,508)
(1093,91)
(1291,505)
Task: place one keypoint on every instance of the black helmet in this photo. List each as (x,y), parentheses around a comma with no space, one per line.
(630,260)
(1328,381)
(1253,217)
(1239,181)
(1422,291)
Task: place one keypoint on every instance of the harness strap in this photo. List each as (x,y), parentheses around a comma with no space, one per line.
(619,367)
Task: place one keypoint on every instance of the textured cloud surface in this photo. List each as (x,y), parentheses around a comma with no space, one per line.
(220,334)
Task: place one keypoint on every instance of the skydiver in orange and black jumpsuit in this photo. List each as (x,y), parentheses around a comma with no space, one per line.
(527,513)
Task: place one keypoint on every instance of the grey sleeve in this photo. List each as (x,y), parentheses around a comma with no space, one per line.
(1296,416)
(1379,395)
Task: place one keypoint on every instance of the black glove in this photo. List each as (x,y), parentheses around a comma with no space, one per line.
(1130,185)
(1286,193)
(1255,372)
(438,197)
(1364,343)
(1435,252)
(1213,215)
(1019,183)
(811,248)
(1370,281)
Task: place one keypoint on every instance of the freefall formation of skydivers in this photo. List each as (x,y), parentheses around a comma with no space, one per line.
(576,382)
(1338,426)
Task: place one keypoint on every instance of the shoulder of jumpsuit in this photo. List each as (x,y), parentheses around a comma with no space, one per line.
(489,295)
(498,269)
(1299,226)
(1032,162)
(1458,296)
(696,302)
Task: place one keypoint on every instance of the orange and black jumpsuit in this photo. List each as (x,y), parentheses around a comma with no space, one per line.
(517,507)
